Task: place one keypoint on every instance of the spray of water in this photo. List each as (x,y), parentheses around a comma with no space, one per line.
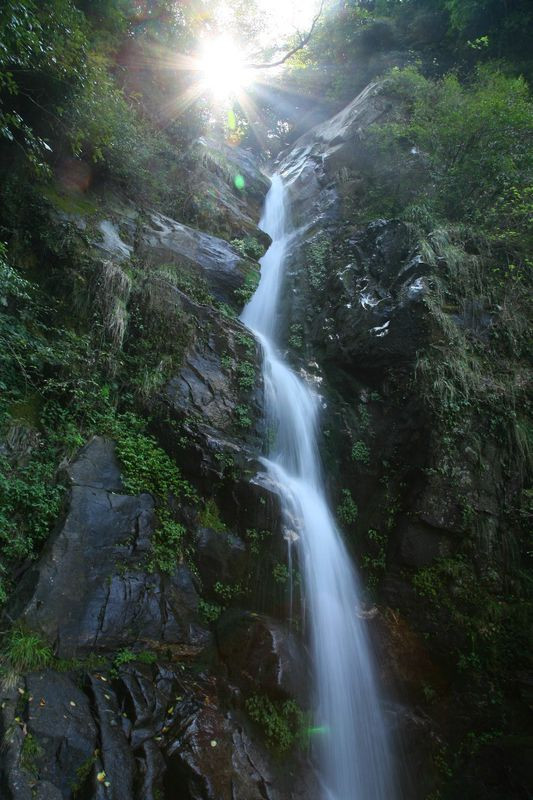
(351,738)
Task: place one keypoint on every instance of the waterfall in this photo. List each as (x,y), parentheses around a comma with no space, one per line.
(350,734)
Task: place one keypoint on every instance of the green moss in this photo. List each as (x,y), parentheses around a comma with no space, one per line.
(24,651)
(282,722)
(360,453)
(347,510)
(30,753)
(72,203)
(209,516)
(209,612)
(83,774)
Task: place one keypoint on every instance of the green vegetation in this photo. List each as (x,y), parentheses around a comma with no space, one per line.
(249,247)
(282,722)
(246,342)
(243,416)
(228,592)
(465,147)
(318,255)
(375,561)
(147,468)
(347,510)
(360,453)
(210,517)
(295,339)
(255,539)
(246,373)
(31,751)
(127,656)
(356,42)
(23,651)
(486,625)
(83,773)
(251,282)
(209,612)
(280,573)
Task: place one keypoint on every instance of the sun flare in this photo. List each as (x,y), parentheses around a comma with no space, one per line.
(223,68)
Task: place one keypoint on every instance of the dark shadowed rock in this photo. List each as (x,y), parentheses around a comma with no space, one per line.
(90,588)
(163,240)
(261,655)
(221,557)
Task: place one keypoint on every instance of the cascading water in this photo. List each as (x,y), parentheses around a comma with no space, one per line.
(353,751)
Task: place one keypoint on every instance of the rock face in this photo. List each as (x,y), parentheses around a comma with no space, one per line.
(142,733)
(261,655)
(103,598)
(376,315)
(158,239)
(220,167)
(128,729)
(422,497)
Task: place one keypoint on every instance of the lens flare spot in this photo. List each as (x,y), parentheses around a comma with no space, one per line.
(223,68)
(239,181)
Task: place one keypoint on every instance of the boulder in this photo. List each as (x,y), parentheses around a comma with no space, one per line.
(89,589)
(262,655)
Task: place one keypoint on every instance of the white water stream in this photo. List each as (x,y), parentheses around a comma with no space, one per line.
(353,753)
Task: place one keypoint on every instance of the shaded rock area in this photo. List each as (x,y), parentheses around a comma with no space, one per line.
(219,166)
(141,733)
(102,596)
(158,239)
(424,499)
(260,655)
(109,725)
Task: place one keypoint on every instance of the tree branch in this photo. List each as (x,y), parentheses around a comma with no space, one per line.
(303,41)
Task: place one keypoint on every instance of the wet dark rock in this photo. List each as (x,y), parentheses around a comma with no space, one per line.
(374,316)
(102,596)
(213,755)
(151,732)
(420,545)
(165,241)
(60,718)
(221,556)
(262,655)
(232,211)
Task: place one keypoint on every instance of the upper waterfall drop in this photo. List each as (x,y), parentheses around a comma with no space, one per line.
(354,757)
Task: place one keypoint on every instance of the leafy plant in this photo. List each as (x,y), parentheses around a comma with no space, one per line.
(24,651)
(127,656)
(209,612)
(210,516)
(255,539)
(228,592)
(242,416)
(282,721)
(280,573)
(249,247)
(360,453)
(246,373)
(347,510)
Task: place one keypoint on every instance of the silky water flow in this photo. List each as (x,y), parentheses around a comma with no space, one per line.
(350,735)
